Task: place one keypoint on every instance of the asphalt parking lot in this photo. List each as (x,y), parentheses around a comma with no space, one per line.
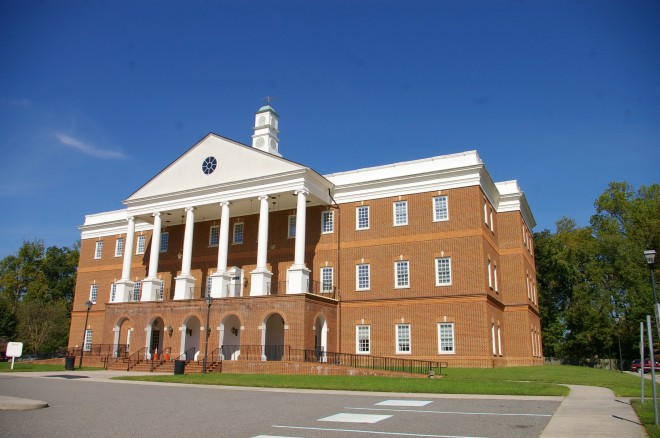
(82,406)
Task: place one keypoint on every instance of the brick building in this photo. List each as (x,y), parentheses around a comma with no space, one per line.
(426,259)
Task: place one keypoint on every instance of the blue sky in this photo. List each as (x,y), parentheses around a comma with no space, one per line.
(96,97)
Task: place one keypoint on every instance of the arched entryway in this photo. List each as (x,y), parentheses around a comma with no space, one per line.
(230,338)
(321,338)
(273,337)
(190,338)
(155,333)
(123,330)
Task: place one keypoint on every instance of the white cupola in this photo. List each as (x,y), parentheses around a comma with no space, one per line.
(265,130)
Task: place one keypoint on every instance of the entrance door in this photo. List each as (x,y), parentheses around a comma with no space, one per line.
(155,341)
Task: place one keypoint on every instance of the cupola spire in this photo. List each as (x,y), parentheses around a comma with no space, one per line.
(265,129)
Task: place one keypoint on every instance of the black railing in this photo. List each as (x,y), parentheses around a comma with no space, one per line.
(162,358)
(412,366)
(96,350)
(311,287)
(119,352)
(136,358)
(253,352)
(187,355)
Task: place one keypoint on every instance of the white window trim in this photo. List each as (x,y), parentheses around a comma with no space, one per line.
(328,217)
(113,292)
(87,344)
(396,274)
(435,217)
(137,287)
(139,249)
(211,228)
(357,217)
(233,239)
(357,338)
(332,278)
(490,276)
(396,336)
(291,227)
(119,249)
(437,272)
(357,276)
(93,293)
(499,340)
(495,277)
(394,218)
(164,241)
(453,338)
(98,250)
(492,335)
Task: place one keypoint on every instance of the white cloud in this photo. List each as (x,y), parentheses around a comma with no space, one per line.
(87,148)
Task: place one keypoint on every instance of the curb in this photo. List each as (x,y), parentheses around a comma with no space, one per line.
(20,404)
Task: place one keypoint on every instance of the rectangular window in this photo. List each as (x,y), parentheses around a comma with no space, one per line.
(485,212)
(446,338)
(499,340)
(164,242)
(292,227)
(136,291)
(139,249)
(160,293)
(87,345)
(113,292)
(490,276)
(238,233)
(93,292)
(209,281)
(362,339)
(440,210)
(214,235)
(492,227)
(326,279)
(362,217)
(401,213)
(402,274)
(119,247)
(443,271)
(362,277)
(98,252)
(128,339)
(495,277)
(403,338)
(492,335)
(327,222)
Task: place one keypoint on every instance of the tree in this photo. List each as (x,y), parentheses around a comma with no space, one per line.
(43,327)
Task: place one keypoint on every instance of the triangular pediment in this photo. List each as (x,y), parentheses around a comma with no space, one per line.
(235,163)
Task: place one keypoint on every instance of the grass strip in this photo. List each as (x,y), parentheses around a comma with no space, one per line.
(5,367)
(647,416)
(365,383)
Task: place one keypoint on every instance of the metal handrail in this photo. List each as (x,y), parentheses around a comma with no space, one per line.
(185,353)
(134,358)
(94,350)
(161,359)
(120,352)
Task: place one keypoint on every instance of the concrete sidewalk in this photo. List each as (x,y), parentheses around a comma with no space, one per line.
(588,411)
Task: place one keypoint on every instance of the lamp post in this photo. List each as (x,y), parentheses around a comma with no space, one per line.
(618,337)
(649,254)
(88,304)
(206,345)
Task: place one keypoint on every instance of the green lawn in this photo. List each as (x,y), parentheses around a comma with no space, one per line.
(646,414)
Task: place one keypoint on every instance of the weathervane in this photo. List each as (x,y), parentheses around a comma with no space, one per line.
(268,99)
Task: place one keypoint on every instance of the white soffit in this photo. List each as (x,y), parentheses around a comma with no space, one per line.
(513,199)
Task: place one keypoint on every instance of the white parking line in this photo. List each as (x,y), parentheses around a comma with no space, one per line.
(375,432)
(356,418)
(417,411)
(404,403)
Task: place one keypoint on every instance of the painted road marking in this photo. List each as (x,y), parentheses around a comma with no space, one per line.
(356,418)
(417,411)
(375,432)
(404,403)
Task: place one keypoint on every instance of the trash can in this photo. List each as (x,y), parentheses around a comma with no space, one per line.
(179,366)
(70,363)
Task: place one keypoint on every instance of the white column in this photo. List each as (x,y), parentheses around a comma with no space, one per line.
(185,282)
(297,276)
(261,276)
(188,241)
(262,248)
(125,285)
(219,279)
(151,284)
(301,211)
(128,249)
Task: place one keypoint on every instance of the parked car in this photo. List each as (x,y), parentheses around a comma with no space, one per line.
(634,366)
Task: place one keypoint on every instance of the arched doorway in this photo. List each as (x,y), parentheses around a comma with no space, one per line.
(230,338)
(190,338)
(321,338)
(155,337)
(273,337)
(122,340)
